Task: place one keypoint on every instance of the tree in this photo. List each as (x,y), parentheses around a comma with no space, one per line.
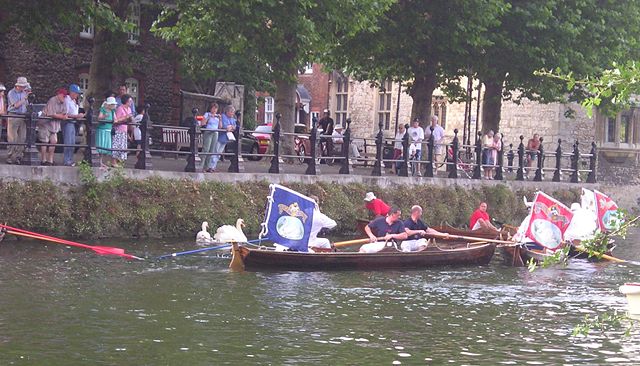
(426,44)
(266,39)
(48,18)
(580,37)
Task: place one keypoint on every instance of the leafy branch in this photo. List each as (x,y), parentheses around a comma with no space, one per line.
(604,322)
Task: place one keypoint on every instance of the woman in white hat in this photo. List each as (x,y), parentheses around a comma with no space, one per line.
(105,124)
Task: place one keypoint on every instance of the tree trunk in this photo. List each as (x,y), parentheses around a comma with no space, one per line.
(492,105)
(285,104)
(421,93)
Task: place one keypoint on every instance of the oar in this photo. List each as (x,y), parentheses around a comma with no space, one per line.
(353,242)
(473,238)
(222,246)
(98,249)
(582,249)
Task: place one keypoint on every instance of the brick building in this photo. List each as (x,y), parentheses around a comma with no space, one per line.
(151,74)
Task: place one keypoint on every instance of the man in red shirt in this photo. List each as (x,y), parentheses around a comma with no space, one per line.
(480,218)
(376,206)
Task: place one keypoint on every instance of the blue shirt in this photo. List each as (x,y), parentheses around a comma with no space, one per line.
(212,121)
(226,122)
(415,225)
(379,227)
(15,96)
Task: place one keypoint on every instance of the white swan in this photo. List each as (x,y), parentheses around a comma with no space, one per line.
(203,237)
(228,233)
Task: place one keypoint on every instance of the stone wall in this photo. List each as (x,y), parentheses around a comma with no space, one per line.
(152,61)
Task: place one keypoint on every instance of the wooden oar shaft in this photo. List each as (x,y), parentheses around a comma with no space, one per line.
(582,249)
(473,238)
(353,242)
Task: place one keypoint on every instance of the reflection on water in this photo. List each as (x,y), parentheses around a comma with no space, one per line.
(63,306)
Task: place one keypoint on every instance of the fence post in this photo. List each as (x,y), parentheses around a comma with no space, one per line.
(453,172)
(521,152)
(510,156)
(275,160)
(591,178)
(428,171)
(30,155)
(236,165)
(500,162)
(193,144)
(574,163)
(91,155)
(404,169)
(478,149)
(538,176)
(144,156)
(346,148)
(558,172)
(377,166)
(312,168)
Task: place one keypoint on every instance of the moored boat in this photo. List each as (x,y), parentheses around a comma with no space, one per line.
(390,258)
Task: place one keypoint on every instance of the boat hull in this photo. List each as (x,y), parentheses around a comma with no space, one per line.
(388,259)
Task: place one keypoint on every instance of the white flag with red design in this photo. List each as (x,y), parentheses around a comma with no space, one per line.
(588,201)
(607,212)
(549,220)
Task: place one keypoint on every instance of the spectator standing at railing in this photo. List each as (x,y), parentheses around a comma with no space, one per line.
(105,125)
(338,139)
(532,152)
(136,133)
(397,148)
(69,128)
(416,136)
(228,124)
(326,124)
(487,154)
(210,121)
(3,105)
(122,91)
(497,146)
(124,115)
(438,140)
(17,127)
(56,110)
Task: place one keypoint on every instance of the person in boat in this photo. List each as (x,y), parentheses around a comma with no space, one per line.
(376,206)
(416,231)
(320,221)
(480,219)
(583,225)
(389,227)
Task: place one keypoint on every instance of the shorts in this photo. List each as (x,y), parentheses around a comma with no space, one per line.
(487,158)
(533,155)
(137,142)
(44,135)
(397,153)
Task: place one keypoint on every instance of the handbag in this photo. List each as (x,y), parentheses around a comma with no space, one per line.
(231,136)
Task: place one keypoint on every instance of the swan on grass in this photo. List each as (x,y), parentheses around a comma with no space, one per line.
(203,237)
(228,233)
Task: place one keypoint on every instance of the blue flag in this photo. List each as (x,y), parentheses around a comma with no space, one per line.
(288,218)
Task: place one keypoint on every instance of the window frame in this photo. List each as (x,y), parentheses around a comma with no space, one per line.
(269,109)
(342,100)
(384,104)
(129,83)
(134,14)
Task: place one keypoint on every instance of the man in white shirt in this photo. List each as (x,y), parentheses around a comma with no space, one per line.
(337,136)
(69,128)
(320,221)
(438,138)
(416,135)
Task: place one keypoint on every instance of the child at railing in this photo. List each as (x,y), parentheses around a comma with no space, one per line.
(135,134)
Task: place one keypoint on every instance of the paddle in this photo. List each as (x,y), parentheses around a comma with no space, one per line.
(582,249)
(347,243)
(473,238)
(222,246)
(98,249)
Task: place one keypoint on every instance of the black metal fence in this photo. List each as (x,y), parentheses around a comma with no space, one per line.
(461,161)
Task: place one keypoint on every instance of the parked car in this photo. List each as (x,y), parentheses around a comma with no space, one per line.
(251,144)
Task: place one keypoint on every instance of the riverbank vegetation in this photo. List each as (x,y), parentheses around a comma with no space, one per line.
(156,207)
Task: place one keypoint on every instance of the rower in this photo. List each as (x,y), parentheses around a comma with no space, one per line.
(320,221)
(416,230)
(388,228)
(376,206)
(480,219)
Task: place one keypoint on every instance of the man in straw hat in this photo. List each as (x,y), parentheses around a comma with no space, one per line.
(56,110)
(17,127)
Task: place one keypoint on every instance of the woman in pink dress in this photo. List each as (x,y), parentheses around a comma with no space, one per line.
(123,116)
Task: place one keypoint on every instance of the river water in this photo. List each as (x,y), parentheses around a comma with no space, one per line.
(66,306)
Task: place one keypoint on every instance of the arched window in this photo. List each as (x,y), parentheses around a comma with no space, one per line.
(133,88)
(133,16)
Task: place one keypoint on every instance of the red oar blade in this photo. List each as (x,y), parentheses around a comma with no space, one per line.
(107,250)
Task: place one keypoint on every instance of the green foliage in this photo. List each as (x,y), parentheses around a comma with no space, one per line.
(604,323)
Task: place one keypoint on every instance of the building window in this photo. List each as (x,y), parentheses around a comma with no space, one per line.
(342,95)
(621,131)
(83,82)
(315,115)
(268,110)
(439,108)
(133,16)
(384,104)
(611,130)
(308,68)
(133,88)
(88,30)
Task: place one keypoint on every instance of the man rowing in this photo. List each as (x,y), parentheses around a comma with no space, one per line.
(388,228)
(480,219)
(416,230)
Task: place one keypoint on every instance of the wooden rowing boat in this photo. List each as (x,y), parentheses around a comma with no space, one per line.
(479,233)
(520,255)
(390,258)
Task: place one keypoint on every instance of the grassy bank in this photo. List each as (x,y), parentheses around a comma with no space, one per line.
(122,207)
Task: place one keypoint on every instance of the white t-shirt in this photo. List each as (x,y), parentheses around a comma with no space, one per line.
(438,136)
(416,135)
(398,144)
(337,137)
(320,221)
(72,106)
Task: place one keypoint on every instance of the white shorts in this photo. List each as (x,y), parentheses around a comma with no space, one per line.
(413,245)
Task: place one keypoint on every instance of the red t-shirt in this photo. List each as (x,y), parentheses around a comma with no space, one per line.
(478,214)
(378,207)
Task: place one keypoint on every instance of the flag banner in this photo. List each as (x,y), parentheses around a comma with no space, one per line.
(607,212)
(288,218)
(588,200)
(549,220)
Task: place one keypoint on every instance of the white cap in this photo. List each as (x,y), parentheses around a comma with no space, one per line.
(369,196)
